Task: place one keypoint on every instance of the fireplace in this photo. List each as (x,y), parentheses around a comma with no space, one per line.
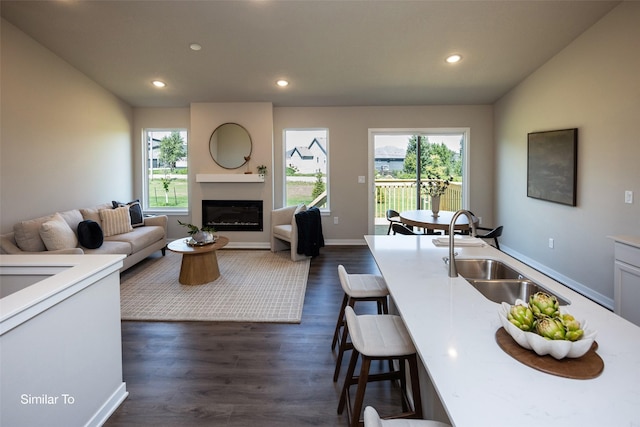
(232,215)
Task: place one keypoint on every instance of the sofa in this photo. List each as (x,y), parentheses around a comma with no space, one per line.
(110,228)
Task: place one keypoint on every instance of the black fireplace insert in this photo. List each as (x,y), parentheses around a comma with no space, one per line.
(233,215)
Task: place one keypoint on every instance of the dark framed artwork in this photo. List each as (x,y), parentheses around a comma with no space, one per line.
(552,165)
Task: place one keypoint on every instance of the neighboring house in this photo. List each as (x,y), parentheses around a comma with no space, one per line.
(307,160)
(389,159)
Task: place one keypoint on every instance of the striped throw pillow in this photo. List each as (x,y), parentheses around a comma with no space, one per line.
(115,221)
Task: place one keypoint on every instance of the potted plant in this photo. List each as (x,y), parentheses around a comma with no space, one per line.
(262,170)
(200,236)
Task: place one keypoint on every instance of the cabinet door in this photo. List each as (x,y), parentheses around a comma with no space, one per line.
(627,291)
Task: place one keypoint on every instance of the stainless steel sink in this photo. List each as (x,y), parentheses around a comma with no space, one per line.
(509,290)
(498,282)
(487,269)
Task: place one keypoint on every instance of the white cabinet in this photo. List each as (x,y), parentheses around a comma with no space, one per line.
(627,278)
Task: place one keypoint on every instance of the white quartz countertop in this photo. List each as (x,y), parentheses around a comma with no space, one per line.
(453,328)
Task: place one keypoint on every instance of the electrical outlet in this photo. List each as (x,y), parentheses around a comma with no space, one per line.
(551,243)
(628,196)
(335,219)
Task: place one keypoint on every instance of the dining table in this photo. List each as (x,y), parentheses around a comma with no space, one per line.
(425,219)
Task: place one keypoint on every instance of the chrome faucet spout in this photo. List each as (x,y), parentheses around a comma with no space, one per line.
(453,271)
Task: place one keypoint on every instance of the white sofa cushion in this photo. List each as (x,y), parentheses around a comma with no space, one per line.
(115,221)
(56,234)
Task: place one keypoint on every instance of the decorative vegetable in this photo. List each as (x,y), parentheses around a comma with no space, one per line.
(543,317)
(550,328)
(572,327)
(543,304)
(522,317)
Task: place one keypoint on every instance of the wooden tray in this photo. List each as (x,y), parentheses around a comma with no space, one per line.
(582,368)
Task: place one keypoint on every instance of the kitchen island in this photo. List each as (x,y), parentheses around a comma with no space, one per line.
(473,380)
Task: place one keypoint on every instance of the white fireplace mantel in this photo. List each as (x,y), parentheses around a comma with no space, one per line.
(229,177)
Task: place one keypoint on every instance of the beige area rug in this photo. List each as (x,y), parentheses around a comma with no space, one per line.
(254,286)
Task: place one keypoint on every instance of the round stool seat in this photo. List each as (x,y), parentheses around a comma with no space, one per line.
(379,335)
(362,285)
(372,419)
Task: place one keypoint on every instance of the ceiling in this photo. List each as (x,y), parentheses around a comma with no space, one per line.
(334,53)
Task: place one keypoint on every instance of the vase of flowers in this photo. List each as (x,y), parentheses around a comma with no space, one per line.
(200,236)
(435,187)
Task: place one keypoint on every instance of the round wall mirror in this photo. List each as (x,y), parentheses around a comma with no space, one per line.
(230,145)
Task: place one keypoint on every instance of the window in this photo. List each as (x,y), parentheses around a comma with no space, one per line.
(166,184)
(306,163)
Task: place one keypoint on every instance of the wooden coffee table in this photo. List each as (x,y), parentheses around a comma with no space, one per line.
(199,263)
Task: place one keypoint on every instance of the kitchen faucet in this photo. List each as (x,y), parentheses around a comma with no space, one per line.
(453,271)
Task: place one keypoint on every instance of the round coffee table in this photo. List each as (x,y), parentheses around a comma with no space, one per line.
(199,263)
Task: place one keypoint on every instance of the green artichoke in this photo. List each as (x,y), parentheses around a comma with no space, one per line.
(543,304)
(572,327)
(522,317)
(550,328)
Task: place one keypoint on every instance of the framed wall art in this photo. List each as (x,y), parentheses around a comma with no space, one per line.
(552,165)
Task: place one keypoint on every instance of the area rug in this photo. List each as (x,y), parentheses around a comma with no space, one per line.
(254,286)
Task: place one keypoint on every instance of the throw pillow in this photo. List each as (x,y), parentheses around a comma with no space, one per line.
(56,234)
(90,234)
(27,234)
(135,211)
(115,221)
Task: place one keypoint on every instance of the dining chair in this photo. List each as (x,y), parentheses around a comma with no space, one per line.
(401,229)
(393,217)
(493,233)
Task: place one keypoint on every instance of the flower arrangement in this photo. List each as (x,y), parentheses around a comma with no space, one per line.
(262,169)
(435,186)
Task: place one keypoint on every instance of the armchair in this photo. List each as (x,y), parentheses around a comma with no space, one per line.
(284,231)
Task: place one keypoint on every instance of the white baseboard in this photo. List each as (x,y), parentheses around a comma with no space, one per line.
(109,407)
(567,281)
(266,245)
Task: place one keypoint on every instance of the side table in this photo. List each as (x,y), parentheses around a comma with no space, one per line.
(199,263)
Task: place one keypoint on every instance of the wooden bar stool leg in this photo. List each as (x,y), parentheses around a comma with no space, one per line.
(340,322)
(343,345)
(415,385)
(362,385)
(348,380)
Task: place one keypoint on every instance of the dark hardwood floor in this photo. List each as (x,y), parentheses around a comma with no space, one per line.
(247,374)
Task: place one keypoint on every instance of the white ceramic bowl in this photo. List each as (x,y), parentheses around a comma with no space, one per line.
(559,349)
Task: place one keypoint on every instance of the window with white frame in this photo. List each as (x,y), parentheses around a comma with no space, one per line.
(166,183)
(306,163)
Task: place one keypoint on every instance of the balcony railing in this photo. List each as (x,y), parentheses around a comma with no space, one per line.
(400,195)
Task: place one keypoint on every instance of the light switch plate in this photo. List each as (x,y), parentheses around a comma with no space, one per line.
(361,179)
(628,196)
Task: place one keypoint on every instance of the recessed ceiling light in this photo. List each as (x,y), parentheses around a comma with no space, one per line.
(195,46)
(282,83)
(452,59)
(158,83)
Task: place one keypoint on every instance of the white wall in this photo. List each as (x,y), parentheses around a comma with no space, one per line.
(593,85)
(348,154)
(65,142)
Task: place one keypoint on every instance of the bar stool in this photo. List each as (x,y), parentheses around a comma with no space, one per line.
(379,337)
(372,419)
(356,287)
